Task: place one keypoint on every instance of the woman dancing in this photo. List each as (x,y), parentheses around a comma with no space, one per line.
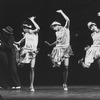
(62,50)
(29,50)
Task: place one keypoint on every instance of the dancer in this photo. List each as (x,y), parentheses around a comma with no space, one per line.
(93,51)
(3,62)
(8,39)
(29,50)
(62,51)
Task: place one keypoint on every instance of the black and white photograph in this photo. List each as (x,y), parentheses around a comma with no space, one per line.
(49,49)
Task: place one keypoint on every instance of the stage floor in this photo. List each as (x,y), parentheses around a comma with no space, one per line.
(52,93)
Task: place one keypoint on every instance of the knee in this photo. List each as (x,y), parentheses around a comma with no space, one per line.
(32,68)
(66,64)
(66,67)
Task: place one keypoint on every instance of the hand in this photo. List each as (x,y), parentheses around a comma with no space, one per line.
(59,11)
(98,13)
(23,33)
(32,18)
(16,47)
(86,48)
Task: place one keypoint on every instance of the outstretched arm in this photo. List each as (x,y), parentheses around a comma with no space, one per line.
(67,24)
(54,43)
(19,41)
(35,24)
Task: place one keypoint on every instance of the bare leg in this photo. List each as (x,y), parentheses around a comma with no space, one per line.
(32,75)
(65,73)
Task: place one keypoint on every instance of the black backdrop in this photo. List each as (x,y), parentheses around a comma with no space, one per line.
(14,12)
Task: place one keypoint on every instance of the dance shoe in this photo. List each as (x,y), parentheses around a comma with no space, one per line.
(65,87)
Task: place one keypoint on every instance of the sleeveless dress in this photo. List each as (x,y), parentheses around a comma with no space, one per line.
(94,51)
(29,50)
(62,50)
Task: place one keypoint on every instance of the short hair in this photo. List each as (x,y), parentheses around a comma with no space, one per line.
(55,23)
(27,24)
(90,24)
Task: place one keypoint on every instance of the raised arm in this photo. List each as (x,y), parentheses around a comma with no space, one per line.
(67,24)
(35,24)
(98,14)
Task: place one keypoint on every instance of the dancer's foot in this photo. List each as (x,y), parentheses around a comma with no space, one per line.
(49,55)
(0,87)
(13,87)
(80,61)
(32,89)
(84,65)
(65,87)
(16,88)
(56,64)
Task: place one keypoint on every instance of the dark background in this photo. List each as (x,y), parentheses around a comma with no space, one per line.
(80,12)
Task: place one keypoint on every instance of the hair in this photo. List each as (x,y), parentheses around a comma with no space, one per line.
(90,24)
(28,22)
(51,26)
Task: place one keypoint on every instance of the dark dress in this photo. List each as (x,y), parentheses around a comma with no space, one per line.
(3,69)
(9,49)
(3,63)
